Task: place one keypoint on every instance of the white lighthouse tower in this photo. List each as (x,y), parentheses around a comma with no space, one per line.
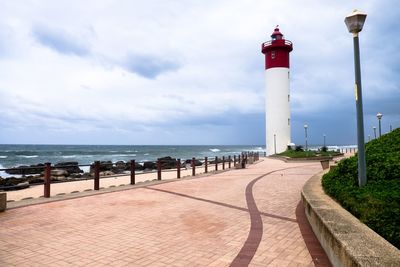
(278,96)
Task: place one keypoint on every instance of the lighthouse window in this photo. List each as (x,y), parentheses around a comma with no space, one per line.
(288,98)
(273,54)
(288,121)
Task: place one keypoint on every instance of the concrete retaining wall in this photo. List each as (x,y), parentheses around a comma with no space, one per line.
(346,240)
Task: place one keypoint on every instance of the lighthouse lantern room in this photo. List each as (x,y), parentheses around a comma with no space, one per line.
(277,102)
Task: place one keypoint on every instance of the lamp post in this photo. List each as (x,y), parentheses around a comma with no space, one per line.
(390,128)
(305,131)
(274,143)
(354,23)
(324,140)
(369,137)
(379,116)
(373,127)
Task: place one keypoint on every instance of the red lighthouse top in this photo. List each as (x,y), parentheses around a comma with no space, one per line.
(277,51)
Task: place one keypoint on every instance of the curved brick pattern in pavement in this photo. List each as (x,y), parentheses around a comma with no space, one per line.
(197,222)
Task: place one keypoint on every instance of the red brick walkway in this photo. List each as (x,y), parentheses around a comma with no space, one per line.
(236,218)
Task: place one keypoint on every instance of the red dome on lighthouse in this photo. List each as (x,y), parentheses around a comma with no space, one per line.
(277,51)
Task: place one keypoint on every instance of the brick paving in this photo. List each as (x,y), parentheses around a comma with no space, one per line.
(248,217)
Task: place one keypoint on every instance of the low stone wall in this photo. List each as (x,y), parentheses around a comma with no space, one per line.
(346,240)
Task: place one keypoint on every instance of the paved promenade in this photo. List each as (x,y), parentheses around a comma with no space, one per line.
(248,217)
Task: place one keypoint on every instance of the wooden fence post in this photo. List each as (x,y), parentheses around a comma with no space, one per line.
(158,170)
(178,168)
(47,179)
(96,175)
(193,167)
(133,167)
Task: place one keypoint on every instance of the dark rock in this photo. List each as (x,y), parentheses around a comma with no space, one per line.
(167,163)
(69,166)
(59,172)
(120,167)
(23,170)
(104,166)
(196,162)
(36,180)
(138,167)
(150,165)
(11,181)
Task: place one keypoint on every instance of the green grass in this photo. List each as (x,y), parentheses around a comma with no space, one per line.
(308,154)
(377,204)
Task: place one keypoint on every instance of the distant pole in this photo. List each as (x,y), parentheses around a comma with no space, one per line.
(390,128)
(324,140)
(369,137)
(305,131)
(379,116)
(274,143)
(373,127)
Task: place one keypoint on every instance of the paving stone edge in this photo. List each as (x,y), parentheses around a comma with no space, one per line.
(346,240)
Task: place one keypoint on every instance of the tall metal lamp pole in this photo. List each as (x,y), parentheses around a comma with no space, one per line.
(379,116)
(354,23)
(305,131)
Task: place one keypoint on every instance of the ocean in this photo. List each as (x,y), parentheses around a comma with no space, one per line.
(17,155)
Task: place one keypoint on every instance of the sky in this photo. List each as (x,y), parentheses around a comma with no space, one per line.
(186,72)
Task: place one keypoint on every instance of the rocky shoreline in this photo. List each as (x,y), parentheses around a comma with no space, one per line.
(71,171)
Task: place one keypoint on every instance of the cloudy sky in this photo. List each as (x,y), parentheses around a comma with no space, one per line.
(188,72)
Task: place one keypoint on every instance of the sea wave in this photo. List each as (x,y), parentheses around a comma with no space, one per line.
(146,154)
(215,150)
(123,155)
(3,157)
(68,157)
(28,157)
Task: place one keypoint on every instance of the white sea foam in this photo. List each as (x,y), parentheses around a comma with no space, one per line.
(146,154)
(68,157)
(214,150)
(3,157)
(28,157)
(123,155)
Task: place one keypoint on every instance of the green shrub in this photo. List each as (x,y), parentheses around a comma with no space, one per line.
(377,204)
(299,148)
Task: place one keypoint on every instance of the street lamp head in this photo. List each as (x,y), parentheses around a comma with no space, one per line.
(305,126)
(379,116)
(373,127)
(355,21)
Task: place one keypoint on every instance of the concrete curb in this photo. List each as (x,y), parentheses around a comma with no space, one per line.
(346,240)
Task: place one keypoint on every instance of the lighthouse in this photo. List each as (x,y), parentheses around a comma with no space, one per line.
(277,75)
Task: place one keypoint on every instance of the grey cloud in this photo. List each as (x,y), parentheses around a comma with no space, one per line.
(60,41)
(149,66)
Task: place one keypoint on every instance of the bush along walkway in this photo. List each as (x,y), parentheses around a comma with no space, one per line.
(377,204)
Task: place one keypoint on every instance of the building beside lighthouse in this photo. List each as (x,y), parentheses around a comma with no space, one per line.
(277,75)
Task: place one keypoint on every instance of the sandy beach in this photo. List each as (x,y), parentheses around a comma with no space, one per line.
(36,191)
